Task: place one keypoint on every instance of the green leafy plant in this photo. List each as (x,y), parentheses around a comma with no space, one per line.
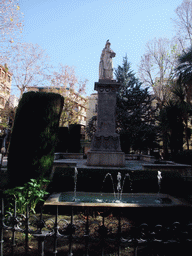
(30,194)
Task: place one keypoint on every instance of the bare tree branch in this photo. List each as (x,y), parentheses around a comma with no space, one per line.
(183,21)
(68,85)
(157,65)
(29,65)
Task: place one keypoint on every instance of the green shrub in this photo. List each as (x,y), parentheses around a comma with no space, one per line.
(34,137)
(30,194)
(63,140)
(74,137)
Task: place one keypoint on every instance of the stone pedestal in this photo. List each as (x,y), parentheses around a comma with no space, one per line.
(105,146)
(113,159)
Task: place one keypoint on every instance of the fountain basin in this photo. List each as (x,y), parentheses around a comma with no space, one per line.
(137,207)
(91,199)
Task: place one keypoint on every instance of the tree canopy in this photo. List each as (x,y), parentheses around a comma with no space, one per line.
(134,113)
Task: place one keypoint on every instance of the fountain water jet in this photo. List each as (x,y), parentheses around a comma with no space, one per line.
(130,185)
(109,174)
(75,183)
(119,186)
(159,177)
(118,195)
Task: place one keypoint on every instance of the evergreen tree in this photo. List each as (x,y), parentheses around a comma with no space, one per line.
(134,113)
(184,72)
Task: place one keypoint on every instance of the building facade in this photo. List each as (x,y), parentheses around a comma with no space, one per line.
(92,106)
(5,85)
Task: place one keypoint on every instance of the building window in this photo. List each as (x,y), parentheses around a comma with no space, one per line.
(1,101)
(2,87)
(9,78)
(3,74)
(8,90)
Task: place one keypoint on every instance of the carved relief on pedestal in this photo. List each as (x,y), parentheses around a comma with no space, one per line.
(116,141)
(106,143)
(107,88)
(97,141)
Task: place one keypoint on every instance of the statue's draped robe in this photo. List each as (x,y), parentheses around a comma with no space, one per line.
(106,64)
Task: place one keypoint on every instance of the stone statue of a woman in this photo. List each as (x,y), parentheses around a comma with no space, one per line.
(106,63)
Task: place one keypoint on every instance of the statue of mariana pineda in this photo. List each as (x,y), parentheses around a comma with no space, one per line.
(106,63)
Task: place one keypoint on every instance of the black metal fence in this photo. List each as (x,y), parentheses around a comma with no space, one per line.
(161,239)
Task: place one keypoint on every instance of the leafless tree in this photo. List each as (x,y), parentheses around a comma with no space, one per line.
(71,88)
(29,65)
(157,67)
(183,23)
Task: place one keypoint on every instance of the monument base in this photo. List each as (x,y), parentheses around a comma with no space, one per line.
(116,159)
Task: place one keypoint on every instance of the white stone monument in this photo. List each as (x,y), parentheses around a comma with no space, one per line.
(105,146)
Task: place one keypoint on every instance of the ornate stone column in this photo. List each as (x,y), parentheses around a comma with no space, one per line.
(105,146)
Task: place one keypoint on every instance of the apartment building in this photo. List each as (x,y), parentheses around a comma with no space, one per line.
(5,85)
(92,106)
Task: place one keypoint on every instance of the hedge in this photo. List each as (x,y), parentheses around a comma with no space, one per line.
(34,137)
(74,137)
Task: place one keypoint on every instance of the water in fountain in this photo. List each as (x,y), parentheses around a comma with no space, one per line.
(116,197)
(130,184)
(109,174)
(75,183)
(120,185)
(159,177)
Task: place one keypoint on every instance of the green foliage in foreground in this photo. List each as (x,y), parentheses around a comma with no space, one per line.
(30,194)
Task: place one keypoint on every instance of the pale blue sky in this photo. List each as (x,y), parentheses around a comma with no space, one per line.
(74,32)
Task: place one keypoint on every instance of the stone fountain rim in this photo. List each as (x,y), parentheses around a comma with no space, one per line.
(54,200)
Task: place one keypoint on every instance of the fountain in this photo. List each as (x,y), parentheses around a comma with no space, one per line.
(106,155)
(82,186)
(114,198)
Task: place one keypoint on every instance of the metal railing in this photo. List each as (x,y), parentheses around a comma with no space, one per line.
(120,233)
